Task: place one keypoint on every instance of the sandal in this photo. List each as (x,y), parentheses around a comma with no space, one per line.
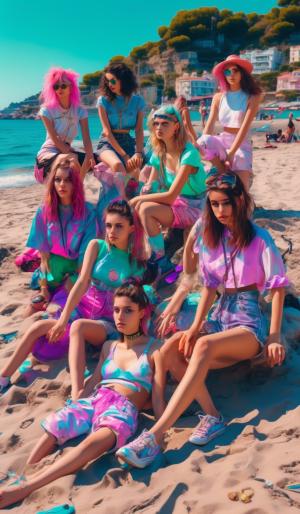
(39,303)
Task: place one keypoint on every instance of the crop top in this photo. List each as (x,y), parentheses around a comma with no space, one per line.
(190,156)
(68,236)
(122,113)
(113,267)
(232,108)
(65,122)
(138,376)
(259,263)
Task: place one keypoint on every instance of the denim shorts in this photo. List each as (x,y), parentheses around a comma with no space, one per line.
(238,310)
(125,141)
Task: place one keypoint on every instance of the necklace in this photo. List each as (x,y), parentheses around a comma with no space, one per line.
(130,337)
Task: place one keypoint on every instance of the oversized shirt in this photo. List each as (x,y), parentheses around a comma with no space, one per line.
(122,113)
(258,263)
(67,237)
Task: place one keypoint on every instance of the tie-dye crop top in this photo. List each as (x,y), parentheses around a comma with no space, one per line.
(259,263)
(67,237)
(138,376)
(113,267)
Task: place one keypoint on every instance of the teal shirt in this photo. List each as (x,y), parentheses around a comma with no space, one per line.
(190,156)
(113,266)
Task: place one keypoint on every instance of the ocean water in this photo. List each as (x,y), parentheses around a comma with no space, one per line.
(20,141)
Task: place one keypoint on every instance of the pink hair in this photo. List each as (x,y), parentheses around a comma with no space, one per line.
(48,96)
(50,206)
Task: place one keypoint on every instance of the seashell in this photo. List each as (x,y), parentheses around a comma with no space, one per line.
(233,496)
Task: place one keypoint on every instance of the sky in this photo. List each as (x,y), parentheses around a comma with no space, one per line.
(82,35)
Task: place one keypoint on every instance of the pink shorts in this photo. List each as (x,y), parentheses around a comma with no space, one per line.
(216,146)
(186,211)
(106,408)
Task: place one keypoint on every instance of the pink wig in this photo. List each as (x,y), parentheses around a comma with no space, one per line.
(50,206)
(48,96)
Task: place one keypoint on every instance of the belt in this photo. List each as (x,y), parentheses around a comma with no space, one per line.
(121,131)
(251,287)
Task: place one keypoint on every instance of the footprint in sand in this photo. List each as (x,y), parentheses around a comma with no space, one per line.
(9,309)
(293,467)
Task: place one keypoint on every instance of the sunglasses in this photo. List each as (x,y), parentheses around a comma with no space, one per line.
(112,82)
(231,71)
(214,179)
(60,86)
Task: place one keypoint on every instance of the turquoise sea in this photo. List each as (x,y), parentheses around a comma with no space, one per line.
(20,141)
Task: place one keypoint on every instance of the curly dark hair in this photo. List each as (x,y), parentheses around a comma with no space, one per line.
(123,73)
(249,84)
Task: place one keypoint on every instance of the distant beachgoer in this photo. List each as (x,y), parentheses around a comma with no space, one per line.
(61,114)
(87,312)
(235,107)
(277,137)
(181,104)
(289,133)
(120,111)
(203,112)
(128,374)
(174,194)
(61,230)
(242,258)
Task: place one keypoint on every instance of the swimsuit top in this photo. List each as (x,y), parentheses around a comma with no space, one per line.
(138,376)
(232,108)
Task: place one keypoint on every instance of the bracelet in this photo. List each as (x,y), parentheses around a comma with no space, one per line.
(139,153)
(43,282)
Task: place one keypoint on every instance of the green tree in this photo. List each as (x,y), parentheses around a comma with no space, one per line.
(162,31)
(278,33)
(199,31)
(291,15)
(92,79)
(179,42)
(169,92)
(283,3)
(117,58)
(268,80)
(235,27)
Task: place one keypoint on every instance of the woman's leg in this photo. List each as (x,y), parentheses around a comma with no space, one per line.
(44,447)
(245,177)
(38,329)
(82,330)
(90,449)
(112,160)
(153,216)
(237,344)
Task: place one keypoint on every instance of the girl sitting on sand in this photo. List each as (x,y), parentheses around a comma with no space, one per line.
(61,230)
(61,114)
(176,186)
(235,107)
(241,257)
(106,266)
(129,370)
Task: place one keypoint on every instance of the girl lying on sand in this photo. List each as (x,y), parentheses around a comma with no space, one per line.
(129,370)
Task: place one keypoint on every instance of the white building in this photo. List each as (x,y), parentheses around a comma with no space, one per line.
(295,53)
(264,61)
(289,80)
(193,87)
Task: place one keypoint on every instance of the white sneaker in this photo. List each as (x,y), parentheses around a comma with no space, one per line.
(140,452)
(208,428)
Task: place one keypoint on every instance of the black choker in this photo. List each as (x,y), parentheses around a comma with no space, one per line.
(130,337)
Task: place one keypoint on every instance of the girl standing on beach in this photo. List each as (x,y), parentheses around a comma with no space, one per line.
(181,105)
(241,257)
(176,185)
(61,114)
(128,372)
(106,266)
(61,230)
(234,107)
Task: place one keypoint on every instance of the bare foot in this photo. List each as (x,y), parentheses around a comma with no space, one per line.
(13,494)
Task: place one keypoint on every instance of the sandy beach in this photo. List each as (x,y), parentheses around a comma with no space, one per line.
(262,442)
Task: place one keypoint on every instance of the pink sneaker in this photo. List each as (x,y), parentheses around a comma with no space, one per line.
(140,452)
(208,428)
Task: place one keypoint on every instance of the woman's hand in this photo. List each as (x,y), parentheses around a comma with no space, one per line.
(187,341)
(165,323)
(134,202)
(275,354)
(89,162)
(57,331)
(229,158)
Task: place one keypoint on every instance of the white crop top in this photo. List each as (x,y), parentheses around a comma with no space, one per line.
(232,108)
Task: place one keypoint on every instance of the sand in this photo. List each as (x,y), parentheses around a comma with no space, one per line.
(262,405)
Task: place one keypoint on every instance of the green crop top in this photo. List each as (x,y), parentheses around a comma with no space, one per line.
(113,267)
(190,156)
